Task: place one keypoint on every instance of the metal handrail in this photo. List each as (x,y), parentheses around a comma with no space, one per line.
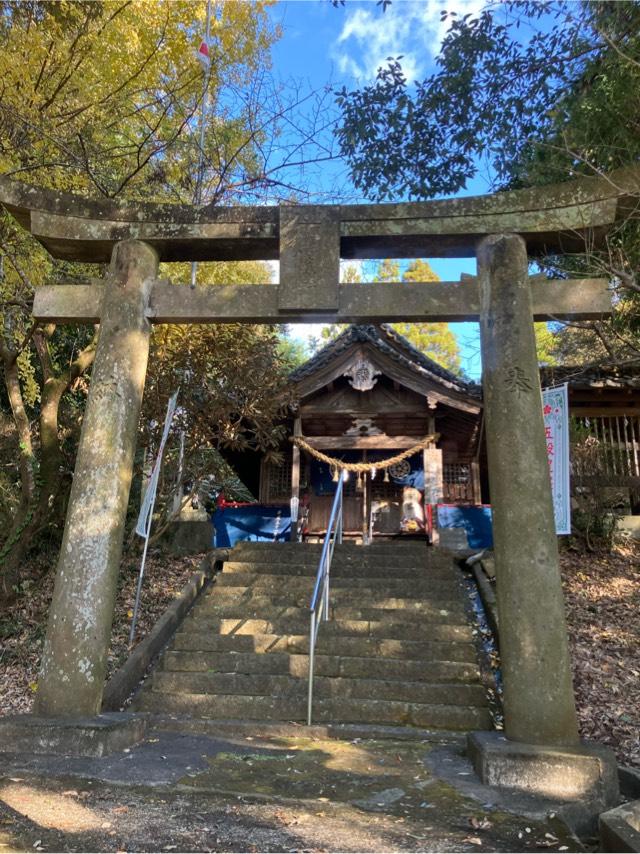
(319,608)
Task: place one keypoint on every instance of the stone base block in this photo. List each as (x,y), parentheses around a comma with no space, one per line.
(629,782)
(454,539)
(620,828)
(190,536)
(585,773)
(629,525)
(97,736)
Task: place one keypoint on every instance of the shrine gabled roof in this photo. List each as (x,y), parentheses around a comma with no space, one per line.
(394,345)
(599,377)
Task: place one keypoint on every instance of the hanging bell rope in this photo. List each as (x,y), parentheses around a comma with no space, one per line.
(337,464)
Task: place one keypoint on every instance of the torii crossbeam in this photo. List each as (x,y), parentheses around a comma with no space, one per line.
(309,242)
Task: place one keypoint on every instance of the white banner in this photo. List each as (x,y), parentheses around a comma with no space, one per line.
(555,409)
(146,510)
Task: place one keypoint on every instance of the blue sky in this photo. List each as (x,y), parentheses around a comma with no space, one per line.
(322,45)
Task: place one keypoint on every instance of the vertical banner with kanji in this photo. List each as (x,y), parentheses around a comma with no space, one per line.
(555,408)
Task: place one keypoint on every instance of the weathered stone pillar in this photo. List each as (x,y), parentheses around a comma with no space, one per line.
(74,659)
(539,704)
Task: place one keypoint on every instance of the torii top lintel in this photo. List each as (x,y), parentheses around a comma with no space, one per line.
(550,218)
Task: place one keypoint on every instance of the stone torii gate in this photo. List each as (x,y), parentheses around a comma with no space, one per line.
(309,242)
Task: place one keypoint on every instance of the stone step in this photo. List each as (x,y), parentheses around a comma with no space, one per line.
(379,547)
(327,644)
(334,628)
(241,598)
(347,556)
(269,685)
(391,558)
(345,570)
(262,607)
(241,707)
(398,633)
(279,663)
(360,587)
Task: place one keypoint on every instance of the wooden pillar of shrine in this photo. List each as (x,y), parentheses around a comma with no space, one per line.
(295,482)
(366,501)
(433,486)
(433,477)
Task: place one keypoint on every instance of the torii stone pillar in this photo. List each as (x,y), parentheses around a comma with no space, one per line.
(539,705)
(75,651)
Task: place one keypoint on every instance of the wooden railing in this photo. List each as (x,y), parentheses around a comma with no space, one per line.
(606,446)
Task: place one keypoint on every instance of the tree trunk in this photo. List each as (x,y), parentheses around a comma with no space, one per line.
(44,504)
(26,460)
(50,453)
(9,574)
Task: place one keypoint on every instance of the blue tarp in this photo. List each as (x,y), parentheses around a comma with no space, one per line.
(273,524)
(251,522)
(475,520)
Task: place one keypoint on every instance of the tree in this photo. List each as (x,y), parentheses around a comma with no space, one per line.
(543,92)
(509,81)
(232,377)
(96,95)
(95,103)
(293,352)
(41,365)
(233,382)
(435,340)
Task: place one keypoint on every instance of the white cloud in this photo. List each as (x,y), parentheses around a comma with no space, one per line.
(411,28)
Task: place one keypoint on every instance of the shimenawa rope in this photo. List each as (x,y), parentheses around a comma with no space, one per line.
(362,467)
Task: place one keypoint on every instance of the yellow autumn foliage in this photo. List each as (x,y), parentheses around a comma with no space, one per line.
(96,94)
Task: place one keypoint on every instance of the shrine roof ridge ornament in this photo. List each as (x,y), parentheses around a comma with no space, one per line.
(552,218)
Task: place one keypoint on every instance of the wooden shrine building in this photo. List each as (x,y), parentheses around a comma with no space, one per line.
(366,396)
(370,394)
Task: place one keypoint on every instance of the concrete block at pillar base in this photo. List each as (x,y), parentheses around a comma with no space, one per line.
(191,536)
(620,828)
(454,539)
(629,782)
(97,736)
(586,772)
(629,526)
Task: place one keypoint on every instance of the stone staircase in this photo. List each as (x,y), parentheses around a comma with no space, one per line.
(397,650)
